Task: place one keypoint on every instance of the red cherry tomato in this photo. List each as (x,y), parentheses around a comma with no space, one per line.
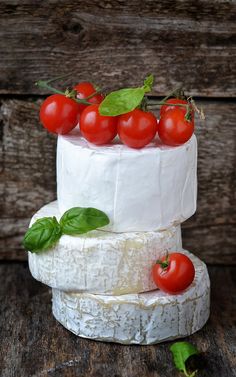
(85,89)
(59,114)
(96,128)
(137,128)
(173,274)
(174,129)
(165,108)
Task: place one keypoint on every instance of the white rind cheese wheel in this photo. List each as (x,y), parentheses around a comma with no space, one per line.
(145,189)
(102,262)
(144,318)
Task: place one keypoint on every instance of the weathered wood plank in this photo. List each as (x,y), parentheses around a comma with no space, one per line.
(214,244)
(28,159)
(28,179)
(34,344)
(117,43)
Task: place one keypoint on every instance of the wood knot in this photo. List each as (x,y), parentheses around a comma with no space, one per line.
(72,27)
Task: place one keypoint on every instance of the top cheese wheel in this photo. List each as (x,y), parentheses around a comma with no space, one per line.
(144,189)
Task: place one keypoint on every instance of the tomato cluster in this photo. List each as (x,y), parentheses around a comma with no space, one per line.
(61,113)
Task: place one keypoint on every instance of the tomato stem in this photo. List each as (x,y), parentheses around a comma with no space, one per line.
(199,111)
(70,94)
(93,94)
(44,85)
(188,115)
(178,93)
(59,77)
(164,264)
(156,105)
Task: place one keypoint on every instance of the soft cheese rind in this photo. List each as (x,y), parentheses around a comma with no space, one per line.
(102,262)
(144,318)
(147,189)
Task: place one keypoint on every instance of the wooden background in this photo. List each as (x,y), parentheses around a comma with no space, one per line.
(115,43)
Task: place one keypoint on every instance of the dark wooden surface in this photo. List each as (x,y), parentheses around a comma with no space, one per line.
(29,181)
(33,344)
(118,41)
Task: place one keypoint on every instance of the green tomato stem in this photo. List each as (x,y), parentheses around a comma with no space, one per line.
(164,264)
(156,105)
(45,85)
(59,77)
(93,94)
(188,115)
(178,92)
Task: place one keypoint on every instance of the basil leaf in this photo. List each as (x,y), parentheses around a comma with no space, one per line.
(121,101)
(125,100)
(181,351)
(42,235)
(79,220)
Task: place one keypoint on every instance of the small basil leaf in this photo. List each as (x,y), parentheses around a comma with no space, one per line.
(181,351)
(79,220)
(121,101)
(42,235)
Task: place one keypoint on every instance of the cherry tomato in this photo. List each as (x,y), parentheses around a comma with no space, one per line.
(174,129)
(174,273)
(137,128)
(85,89)
(165,108)
(59,114)
(96,128)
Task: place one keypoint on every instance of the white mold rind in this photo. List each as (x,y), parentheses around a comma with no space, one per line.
(145,189)
(145,318)
(102,262)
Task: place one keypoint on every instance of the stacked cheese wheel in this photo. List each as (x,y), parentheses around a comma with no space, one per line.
(102,282)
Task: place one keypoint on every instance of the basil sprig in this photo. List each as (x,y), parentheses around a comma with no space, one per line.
(125,100)
(181,352)
(81,220)
(42,235)
(46,232)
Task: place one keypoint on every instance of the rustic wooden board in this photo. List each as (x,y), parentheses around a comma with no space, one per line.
(28,179)
(117,42)
(34,344)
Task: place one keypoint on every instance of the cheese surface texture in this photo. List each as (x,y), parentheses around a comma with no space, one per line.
(144,318)
(101,261)
(144,189)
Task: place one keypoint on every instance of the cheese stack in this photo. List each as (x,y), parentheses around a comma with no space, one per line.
(102,283)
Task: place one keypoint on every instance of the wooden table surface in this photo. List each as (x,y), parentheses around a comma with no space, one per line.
(33,344)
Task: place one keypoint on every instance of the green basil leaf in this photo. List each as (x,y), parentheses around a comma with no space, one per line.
(181,351)
(121,101)
(79,220)
(42,235)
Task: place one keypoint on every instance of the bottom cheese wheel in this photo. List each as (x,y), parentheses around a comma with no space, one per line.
(144,318)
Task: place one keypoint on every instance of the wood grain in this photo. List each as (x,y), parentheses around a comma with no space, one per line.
(28,179)
(117,42)
(34,344)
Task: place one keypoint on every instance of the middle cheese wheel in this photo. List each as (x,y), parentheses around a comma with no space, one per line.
(102,262)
